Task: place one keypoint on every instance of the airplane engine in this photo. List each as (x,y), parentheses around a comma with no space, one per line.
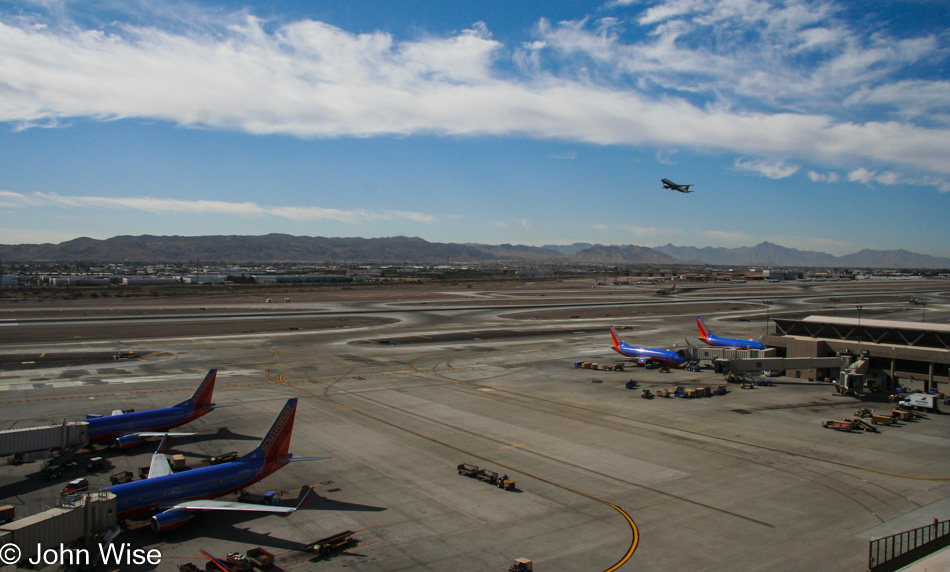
(165,521)
(128,441)
(643,361)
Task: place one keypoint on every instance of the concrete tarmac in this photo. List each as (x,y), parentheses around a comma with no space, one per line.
(605,480)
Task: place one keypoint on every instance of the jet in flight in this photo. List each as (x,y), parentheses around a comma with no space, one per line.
(173,499)
(668,184)
(645,355)
(130,429)
(710,339)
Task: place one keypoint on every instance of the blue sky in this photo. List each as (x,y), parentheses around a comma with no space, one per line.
(816,125)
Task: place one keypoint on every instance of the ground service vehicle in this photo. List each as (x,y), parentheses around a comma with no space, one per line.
(920,401)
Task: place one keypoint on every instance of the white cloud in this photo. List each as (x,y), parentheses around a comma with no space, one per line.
(177,206)
(770,169)
(861,175)
(914,99)
(829,177)
(644,231)
(666,157)
(735,67)
(889,178)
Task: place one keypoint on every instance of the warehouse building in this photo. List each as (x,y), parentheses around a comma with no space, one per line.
(910,354)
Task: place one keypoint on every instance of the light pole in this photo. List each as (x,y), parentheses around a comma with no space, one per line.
(923,308)
(834,306)
(768,308)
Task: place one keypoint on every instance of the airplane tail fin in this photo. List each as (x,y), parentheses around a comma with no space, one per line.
(202,395)
(673,289)
(159,466)
(703,330)
(276,443)
(615,337)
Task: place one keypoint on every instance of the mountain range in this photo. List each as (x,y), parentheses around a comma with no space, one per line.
(399,249)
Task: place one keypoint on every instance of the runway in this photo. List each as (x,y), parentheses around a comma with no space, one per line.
(605,480)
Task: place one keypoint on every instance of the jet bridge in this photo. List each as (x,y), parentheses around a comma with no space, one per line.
(28,439)
(742,366)
(709,353)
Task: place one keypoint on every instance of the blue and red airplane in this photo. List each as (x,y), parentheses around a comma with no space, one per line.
(706,336)
(173,499)
(130,429)
(645,355)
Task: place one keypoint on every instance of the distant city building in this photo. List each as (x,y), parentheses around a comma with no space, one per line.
(300,278)
(149,281)
(204,279)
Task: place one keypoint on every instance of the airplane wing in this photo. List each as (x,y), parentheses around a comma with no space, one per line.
(209,504)
(159,434)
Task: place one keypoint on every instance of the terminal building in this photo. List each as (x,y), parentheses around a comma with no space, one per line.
(915,355)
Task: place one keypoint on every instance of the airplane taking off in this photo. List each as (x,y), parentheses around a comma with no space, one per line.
(173,499)
(645,355)
(663,291)
(130,429)
(710,339)
(668,184)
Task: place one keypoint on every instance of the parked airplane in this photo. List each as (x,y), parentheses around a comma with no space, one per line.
(710,339)
(129,429)
(645,355)
(668,184)
(173,499)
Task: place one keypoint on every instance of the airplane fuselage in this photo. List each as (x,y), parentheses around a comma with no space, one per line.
(156,420)
(668,184)
(652,354)
(710,339)
(732,343)
(143,498)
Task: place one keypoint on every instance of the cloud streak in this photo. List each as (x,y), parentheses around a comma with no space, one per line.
(158,206)
(705,74)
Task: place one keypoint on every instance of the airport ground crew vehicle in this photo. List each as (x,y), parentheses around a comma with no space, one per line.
(327,545)
(261,558)
(271,498)
(119,478)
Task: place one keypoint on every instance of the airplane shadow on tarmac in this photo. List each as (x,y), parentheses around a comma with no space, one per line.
(225,526)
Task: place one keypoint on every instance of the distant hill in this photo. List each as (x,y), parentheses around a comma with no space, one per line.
(570,248)
(630,254)
(287,248)
(768,254)
(271,248)
(763,253)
